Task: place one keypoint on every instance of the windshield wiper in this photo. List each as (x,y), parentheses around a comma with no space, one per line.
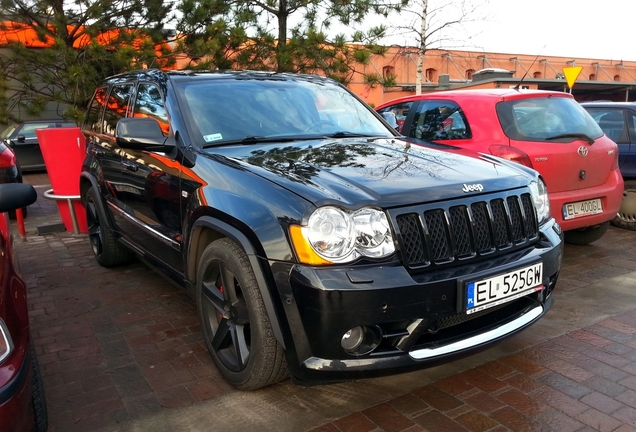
(582,136)
(254,140)
(345,134)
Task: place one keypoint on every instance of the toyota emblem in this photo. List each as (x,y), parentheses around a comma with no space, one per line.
(582,151)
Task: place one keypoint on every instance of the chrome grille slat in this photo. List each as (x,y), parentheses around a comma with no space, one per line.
(441,235)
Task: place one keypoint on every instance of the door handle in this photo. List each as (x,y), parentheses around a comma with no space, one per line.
(130,166)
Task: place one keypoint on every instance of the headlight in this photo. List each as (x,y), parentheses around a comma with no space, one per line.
(541,201)
(6,344)
(334,235)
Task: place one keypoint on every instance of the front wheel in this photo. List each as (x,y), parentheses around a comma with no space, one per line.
(234,321)
(626,217)
(586,235)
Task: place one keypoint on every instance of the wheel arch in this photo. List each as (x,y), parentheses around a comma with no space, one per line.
(86,182)
(207,229)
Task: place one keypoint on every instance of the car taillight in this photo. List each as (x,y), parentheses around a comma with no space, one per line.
(7,158)
(511,154)
(615,164)
(6,344)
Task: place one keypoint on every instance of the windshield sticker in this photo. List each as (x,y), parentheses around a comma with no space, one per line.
(212,137)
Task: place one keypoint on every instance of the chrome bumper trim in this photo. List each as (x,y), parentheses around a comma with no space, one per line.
(480,339)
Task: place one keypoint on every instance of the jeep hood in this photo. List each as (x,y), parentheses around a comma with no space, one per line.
(383,172)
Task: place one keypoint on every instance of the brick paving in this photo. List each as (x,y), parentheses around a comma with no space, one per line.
(121,349)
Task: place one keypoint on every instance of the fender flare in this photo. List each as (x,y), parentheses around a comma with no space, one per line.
(100,202)
(242,240)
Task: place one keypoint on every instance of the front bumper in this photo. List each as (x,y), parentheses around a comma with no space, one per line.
(419,317)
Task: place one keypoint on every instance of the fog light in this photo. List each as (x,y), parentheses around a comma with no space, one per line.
(361,340)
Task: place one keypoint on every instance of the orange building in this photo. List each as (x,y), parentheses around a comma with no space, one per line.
(443,70)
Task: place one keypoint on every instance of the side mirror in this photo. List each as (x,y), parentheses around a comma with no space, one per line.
(143,134)
(16,195)
(21,139)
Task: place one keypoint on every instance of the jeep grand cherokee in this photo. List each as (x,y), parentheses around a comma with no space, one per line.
(316,242)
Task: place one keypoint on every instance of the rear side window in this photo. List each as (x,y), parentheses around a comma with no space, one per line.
(612,122)
(546,119)
(439,120)
(149,103)
(95,110)
(117,106)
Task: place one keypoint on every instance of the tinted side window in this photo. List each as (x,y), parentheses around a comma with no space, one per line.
(149,104)
(612,122)
(435,120)
(95,109)
(117,106)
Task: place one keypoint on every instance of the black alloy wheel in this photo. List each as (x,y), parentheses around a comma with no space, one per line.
(235,324)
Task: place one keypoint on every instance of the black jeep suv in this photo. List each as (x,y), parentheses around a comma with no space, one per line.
(316,241)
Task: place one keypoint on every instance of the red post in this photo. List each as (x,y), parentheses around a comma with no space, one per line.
(19,217)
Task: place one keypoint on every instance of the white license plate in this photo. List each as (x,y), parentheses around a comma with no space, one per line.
(582,208)
(503,288)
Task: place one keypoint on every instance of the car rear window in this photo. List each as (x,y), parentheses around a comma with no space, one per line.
(543,119)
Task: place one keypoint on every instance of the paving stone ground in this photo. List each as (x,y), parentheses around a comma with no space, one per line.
(121,349)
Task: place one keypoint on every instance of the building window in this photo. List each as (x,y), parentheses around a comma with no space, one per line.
(431,75)
(617,77)
(536,75)
(592,77)
(469,73)
(388,71)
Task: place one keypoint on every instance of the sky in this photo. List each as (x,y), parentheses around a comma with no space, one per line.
(564,28)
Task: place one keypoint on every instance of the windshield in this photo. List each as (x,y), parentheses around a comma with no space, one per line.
(546,119)
(222,111)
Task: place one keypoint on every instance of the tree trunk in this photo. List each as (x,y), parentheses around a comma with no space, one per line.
(282,16)
(421,50)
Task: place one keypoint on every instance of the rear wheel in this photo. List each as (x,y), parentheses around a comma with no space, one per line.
(626,217)
(234,321)
(587,235)
(107,250)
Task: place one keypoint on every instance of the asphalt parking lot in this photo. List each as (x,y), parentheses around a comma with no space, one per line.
(121,350)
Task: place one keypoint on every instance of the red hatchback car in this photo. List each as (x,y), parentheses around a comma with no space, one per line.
(22,403)
(547,131)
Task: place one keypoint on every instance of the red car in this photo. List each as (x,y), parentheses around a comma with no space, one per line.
(22,403)
(545,130)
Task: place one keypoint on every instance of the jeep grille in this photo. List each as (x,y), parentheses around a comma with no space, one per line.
(442,235)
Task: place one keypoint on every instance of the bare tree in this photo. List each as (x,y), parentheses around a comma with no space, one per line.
(436,24)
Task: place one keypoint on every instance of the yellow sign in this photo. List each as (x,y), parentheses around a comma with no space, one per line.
(571,74)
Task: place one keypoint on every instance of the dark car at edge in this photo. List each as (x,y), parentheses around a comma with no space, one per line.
(316,243)
(23,140)
(618,122)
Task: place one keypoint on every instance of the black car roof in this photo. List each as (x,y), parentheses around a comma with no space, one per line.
(157,74)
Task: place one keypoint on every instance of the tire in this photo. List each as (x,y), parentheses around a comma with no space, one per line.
(235,324)
(38,401)
(586,235)
(107,250)
(626,217)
